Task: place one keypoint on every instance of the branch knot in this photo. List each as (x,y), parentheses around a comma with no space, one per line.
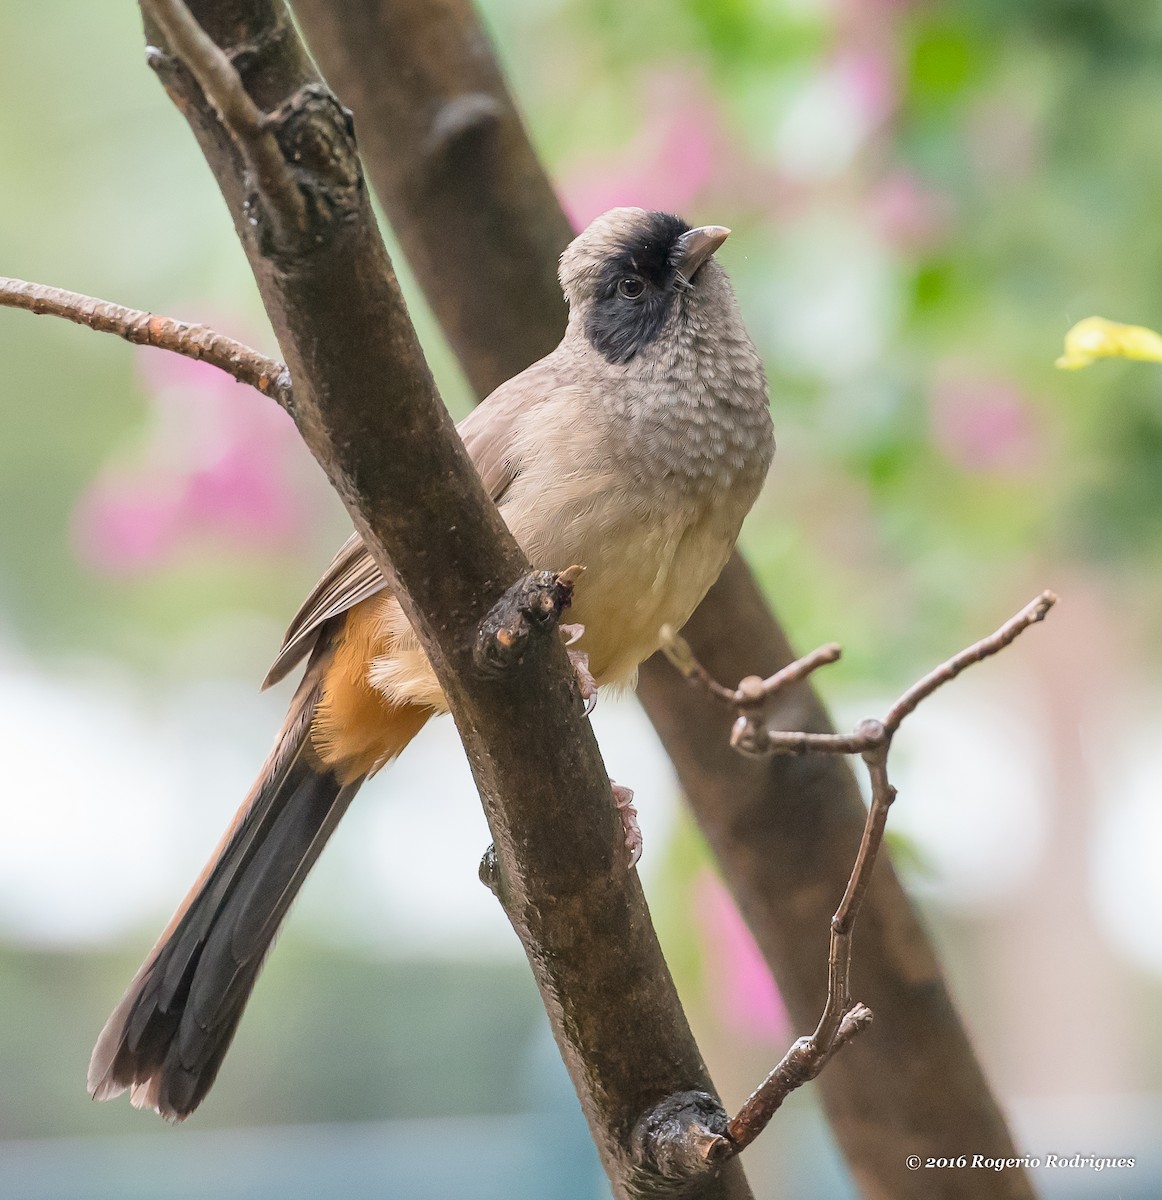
(682,1136)
(533,604)
(316,135)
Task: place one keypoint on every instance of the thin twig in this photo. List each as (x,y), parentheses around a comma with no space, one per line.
(792,673)
(840,1020)
(199,342)
(751,691)
(798,1066)
(883,794)
(751,737)
(249,127)
(1032,613)
(678,651)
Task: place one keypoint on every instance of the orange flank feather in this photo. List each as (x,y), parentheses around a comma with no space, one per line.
(356,728)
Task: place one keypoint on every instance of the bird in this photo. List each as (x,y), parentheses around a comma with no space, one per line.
(634,449)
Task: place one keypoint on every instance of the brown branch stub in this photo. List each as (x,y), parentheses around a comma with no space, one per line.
(489,870)
(199,342)
(249,127)
(533,604)
(840,1020)
(683,1136)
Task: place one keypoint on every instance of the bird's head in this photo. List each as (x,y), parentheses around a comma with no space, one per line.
(633,275)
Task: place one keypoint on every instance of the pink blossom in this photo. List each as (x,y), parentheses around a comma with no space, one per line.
(911,216)
(215,462)
(123,525)
(738,981)
(984,424)
(869,78)
(667,164)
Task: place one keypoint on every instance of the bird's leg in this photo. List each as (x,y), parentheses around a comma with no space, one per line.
(580,660)
(623,802)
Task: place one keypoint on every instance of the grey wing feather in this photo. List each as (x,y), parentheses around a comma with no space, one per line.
(352,576)
(489,434)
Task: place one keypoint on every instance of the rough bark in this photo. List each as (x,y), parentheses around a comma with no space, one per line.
(367,407)
(784,830)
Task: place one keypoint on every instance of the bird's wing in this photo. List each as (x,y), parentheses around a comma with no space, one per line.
(489,433)
(352,576)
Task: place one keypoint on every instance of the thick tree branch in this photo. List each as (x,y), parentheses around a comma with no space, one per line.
(841,1020)
(368,409)
(200,342)
(482,229)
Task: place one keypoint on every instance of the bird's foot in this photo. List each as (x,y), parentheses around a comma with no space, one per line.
(580,660)
(623,802)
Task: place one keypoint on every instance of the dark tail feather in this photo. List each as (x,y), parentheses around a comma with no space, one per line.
(168,1036)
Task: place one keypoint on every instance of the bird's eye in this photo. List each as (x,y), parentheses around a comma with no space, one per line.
(630,287)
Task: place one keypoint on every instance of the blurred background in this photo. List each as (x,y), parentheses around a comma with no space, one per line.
(924,197)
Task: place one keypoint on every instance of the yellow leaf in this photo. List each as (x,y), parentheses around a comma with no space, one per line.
(1095,337)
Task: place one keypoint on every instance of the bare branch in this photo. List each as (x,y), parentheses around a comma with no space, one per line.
(678,651)
(883,794)
(751,737)
(872,739)
(751,691)
(1032,613)
(247,124)
(199,342)
(802,1063)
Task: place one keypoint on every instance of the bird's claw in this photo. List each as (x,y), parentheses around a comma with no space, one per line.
(572,633)
(586,684)
(623,802)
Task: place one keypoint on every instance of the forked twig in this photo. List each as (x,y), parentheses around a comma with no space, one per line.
(841,1020)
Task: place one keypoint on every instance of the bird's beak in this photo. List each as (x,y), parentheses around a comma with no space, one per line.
(696,246)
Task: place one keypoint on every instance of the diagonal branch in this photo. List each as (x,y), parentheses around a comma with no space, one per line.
(199,342)
(841,1020)
(367,408)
